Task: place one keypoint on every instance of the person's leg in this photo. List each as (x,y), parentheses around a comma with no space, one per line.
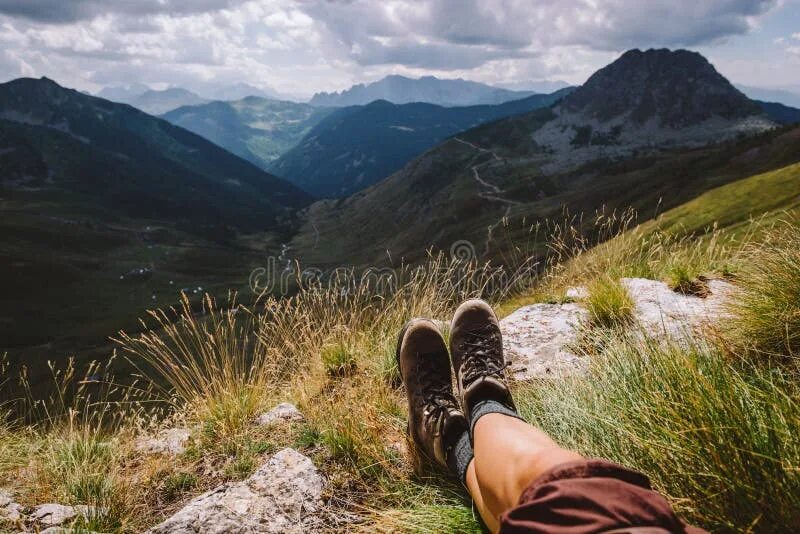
(474,489)
(519,478)
(509,455)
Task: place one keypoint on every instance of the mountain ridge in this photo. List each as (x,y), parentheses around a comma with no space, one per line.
(356,146)
(584,151)
(428,89)
(131,141)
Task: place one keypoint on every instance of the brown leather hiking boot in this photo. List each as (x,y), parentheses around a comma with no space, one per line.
(435,421)
(476,347)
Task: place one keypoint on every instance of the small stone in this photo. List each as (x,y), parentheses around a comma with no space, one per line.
(52,514)
(283,412)
(283,495)
(9,510)
(577,293)
(167,441)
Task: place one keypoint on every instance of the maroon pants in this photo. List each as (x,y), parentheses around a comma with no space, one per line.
(591,496)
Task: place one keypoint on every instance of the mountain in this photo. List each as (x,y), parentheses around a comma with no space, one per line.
(652,126)
(158,102)
(126,160)
(106,211)
(355,147)
(123,93)
(401,90)
(780,113)
(781,96)
(237,91)
(257,129)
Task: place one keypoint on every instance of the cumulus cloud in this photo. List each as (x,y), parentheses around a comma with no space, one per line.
(61,11)
(309,45)
(476,31)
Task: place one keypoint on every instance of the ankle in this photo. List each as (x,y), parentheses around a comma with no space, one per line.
(460,455)
(490,407)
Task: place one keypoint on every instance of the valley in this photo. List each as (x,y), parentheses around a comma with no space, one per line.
(132,234)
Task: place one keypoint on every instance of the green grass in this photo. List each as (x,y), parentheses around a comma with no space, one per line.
(338,358)
(766,310)
(732,205)
(609,303)
(719,439)
(715,431)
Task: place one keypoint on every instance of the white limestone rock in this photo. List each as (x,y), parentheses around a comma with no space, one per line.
(9,510)
(168,441)
(284,412)
(660,311)
(283,496)
(52,514)
(536,340)
(577,293)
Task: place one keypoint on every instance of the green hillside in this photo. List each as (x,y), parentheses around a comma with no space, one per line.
(257,129)
(436,201)
(734,204)
(357,146)
(106,211)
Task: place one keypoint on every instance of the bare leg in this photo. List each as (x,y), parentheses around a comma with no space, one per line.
(477,498)
(509,455)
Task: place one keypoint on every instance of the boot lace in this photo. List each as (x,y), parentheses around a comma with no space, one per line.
(482,355)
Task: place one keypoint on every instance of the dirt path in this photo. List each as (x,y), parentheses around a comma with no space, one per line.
(488,191)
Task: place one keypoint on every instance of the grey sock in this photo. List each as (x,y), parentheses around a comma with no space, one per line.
(487,407)
(460,456)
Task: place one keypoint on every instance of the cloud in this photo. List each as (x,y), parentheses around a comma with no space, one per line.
(310,45)
(796,36)
(475,31)
(63,11)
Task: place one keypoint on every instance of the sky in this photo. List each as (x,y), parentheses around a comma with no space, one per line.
(299,47)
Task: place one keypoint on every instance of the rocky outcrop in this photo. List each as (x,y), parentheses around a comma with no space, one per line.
(282,496)
(662,311)
(282,413)
(539,339)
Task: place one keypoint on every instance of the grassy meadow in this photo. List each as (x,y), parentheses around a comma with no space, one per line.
(715,425)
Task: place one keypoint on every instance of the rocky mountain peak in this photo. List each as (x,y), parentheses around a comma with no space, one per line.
(677,88)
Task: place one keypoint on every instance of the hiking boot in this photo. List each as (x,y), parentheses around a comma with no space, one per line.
(476,347)
(435,421)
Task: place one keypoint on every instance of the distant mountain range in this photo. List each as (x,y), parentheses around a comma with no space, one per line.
(355,147)
(401,90)
(621,139)
(257,129)
(152,101)
(57,139)
(158,102)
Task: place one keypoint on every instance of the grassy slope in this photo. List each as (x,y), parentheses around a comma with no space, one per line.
(732,205)
(434,201)
(719,438)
